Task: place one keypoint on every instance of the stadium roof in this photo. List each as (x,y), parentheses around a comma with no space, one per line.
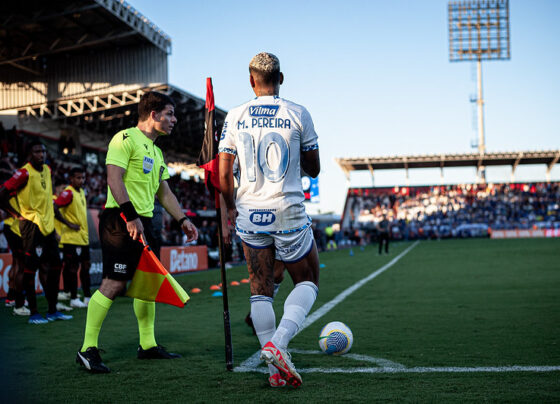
(108,113)
(34,28)
(513,159)
(101,97)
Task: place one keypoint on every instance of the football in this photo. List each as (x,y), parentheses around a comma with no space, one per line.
(336,338)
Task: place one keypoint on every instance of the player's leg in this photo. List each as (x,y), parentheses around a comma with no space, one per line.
(16,273)
(11,295)
(31,248)
(51,261)
(70,272)
(66,277)
(17,267)
(279,268)
(72,257)
(300,256)
(85,278)
(259,253)
(304,272)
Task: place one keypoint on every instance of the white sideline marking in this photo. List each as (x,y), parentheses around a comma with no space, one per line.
(483,369)
(381,362)
(251,363)
(387,366)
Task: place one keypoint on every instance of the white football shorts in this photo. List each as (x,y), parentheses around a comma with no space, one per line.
(290,247)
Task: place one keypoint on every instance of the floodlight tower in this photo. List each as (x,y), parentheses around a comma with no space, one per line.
(479,30)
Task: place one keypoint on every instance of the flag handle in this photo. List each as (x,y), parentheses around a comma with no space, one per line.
(142,238)
(227,326)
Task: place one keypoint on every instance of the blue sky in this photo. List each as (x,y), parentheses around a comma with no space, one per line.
(376,78)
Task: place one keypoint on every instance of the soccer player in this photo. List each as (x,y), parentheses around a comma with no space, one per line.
(383,234)
(32,187)
(274,139)
(136,172)
(72,205)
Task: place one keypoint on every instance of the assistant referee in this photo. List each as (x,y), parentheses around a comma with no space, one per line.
(136,173)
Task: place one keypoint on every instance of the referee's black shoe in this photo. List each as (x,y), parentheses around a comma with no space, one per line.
(91,360)
(157,352)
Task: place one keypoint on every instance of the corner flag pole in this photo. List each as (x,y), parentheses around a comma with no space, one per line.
(208,159)
(227,326)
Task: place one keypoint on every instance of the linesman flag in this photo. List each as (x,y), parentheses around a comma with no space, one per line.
(208,158)
(153,283)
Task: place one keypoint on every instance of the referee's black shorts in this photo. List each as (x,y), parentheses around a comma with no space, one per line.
(37,248)
(14,242)
(121,253)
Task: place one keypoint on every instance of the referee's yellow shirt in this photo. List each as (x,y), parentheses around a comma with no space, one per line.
(145,169)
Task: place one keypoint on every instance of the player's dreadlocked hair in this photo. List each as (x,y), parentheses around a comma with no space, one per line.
(267,67)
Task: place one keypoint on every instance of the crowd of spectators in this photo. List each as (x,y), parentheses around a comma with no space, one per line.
(457,210)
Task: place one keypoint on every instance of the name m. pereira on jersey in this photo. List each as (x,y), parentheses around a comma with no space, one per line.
(274,123)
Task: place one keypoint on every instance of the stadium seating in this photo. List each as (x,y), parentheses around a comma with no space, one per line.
(468,210)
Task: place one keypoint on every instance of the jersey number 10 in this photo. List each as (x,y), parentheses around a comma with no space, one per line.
(261,156)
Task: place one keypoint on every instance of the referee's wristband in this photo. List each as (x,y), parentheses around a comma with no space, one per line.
(181,220)
(129,211)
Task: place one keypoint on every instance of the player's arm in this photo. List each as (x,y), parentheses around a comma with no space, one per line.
(310,162)
(115,182)
(9,189)
(309,157)
(60,217)
(5,204)
(64,199)
(169,201)
(226,183)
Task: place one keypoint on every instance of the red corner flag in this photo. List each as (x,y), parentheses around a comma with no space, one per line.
(208,158)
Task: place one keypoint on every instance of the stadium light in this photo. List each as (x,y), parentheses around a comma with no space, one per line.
(479,30)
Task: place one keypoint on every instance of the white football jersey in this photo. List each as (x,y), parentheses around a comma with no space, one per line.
(267,134)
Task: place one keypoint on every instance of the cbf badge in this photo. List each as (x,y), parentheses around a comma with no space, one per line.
(79,250)
(147,164)
(39,251)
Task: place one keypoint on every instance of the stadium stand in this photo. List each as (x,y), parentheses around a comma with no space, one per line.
(467,210)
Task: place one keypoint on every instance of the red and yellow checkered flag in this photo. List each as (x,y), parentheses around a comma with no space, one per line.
(153,283)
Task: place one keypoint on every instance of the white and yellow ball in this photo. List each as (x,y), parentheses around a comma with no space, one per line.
(336,338)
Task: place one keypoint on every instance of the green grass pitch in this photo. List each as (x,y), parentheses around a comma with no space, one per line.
(442,309)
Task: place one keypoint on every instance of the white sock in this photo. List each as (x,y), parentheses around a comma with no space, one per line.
(264,321)
(297,305)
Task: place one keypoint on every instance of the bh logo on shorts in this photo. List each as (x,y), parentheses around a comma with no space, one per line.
(262,218)
(147,164)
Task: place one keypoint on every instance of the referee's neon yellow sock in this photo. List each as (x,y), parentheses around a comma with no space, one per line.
(98,307)
(146,315)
